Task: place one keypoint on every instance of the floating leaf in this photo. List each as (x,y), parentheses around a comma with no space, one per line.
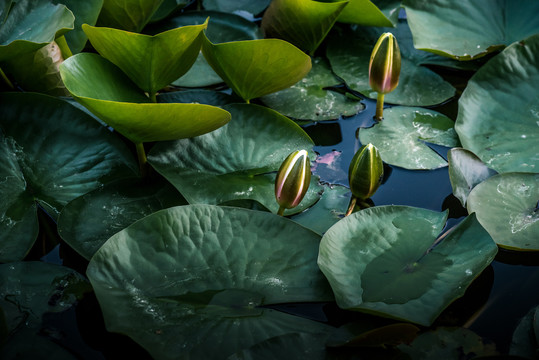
(208,97)
(400,137)
(193,280)
(349,53)
(470,28)
(167,8)
(308,99)
(108,93)
(236,162)
(499,110)
(30,25)
(372,334)
(524,341)
(254,68)
(53,154)
(364,12)
(151,62)
(129,15)
(506,206)
(283,18)
(394,246)
(254,7)
(466,170)
(88,221)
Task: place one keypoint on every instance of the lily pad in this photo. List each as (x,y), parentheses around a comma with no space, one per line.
(524,341)
(283,18)
(397,246)
(349,53)
(253,68)
(466,170)
(470,28)
(366,13)
(129,15)
(506,206)
(102,88)
(191,281)
(378,333)
(30,25)
(253,7)
(498,117)
(151,62)
(309,100)
(238,161)
(208,97)
(88,221)
(401,136)
(167,8)
(53,153)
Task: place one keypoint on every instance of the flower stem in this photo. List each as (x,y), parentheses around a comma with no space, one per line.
(379,107)
(352,205)
(153,97)
(6,79)
(281,210)
(142,160)
(64,48)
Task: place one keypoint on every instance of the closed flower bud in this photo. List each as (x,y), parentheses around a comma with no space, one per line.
(385,64)
(365,172)
(293,180)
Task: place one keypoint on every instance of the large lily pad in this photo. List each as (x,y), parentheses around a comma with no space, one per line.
(189,282)
(470,29)
(400,137)
(253,68)
(283,18)
(309,100)
(254,7)
(53,153)
(152,62)
(101,87)
(29,25)
(236,162)
(506,205)
(88,221)
(367,13)
(349,53)
(498,116)
(466,170)
(396,246)
(129,15)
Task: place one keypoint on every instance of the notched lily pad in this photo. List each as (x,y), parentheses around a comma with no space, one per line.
(202,275)
(402,135)
(397,246)
(507,207)
(308,99)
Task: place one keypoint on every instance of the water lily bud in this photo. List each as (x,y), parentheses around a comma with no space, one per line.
(365,172)
(385,64)
(293,180)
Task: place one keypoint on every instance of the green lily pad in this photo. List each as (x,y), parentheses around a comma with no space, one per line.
(396,246)
(86,12)
(466,170)
(29,25)
(309,100)
(524,341)
(499,110)
(152,62)
(283,18)
(377,333)
(253,68)
(192,280)
(366,13)
(167,8)
(506,206)
(470,28)
(238,161)
(88,221)
(53,153)
(254,7)
(349,54)
(129,15)
(208,97)
(400,137)
(102,88)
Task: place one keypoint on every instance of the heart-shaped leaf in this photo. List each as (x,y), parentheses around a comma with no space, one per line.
(238,161)
(101,87)
(254,68)
(129,15)
(152,62)
(499,110)
(470,28)
(396,246)
(53,154)
(29,25)
(309,100)
(283,18)
(193,280)
(364,12)
(400,137)
(507,207)
(88,221)
(349,53)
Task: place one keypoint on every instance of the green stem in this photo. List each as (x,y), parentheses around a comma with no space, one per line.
(247,101)
(6,80)
(153,97)
(142,160)
(281,210)
(352,205)
(64,48)
(379,107)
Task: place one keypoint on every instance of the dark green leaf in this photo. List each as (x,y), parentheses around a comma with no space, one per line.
(253,7)
(129,15)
